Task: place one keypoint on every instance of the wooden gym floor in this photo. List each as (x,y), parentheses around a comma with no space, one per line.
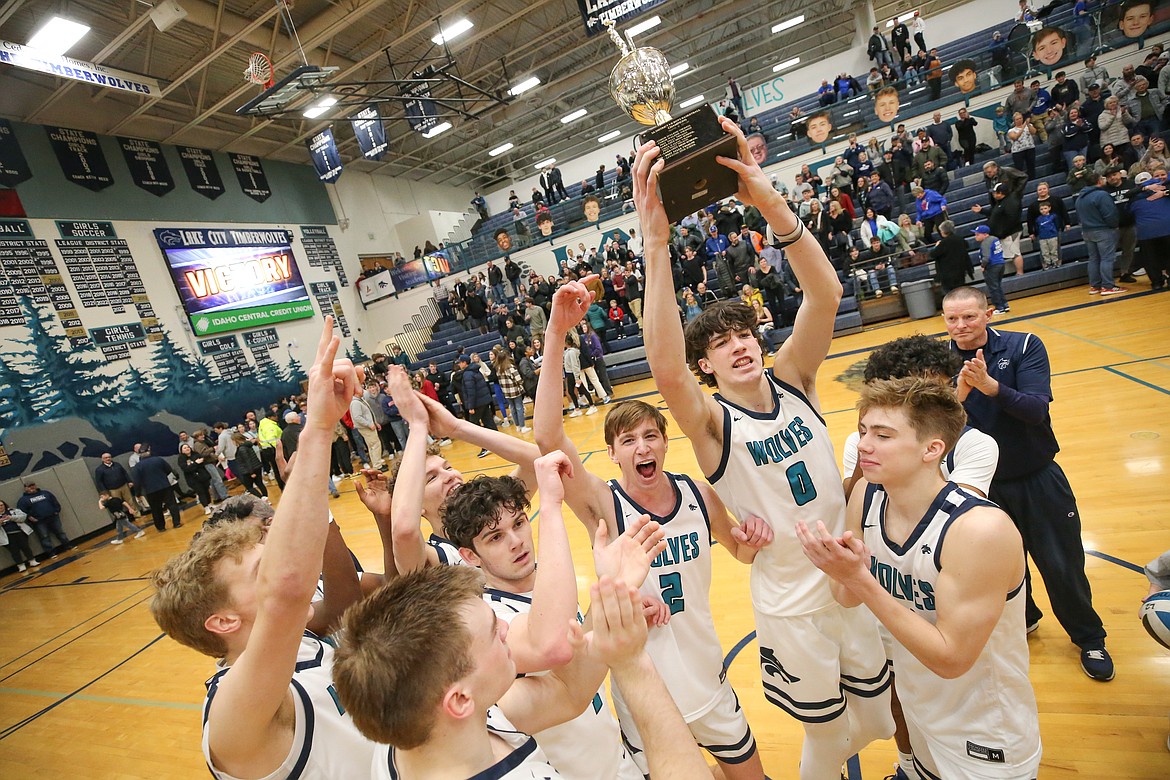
(89,686)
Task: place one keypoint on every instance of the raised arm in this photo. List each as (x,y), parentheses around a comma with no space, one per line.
(410,550)
(697,414)
(510,448)
(244,723)
(803,352)
(539,640)
(586,494)
(339,581)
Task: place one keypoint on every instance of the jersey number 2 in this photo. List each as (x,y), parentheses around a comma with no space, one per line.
(799,480)
(672,591)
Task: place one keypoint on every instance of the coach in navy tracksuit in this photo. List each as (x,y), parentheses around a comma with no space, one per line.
(153,477)
(1006,387)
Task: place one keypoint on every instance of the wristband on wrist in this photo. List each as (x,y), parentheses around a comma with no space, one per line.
(787,238)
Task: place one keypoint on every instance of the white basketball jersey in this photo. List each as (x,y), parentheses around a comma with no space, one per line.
(589,746)
(448,552)
(526,761)
(780,466)
(686,651)
(987,716)
(326,744)
(971,461)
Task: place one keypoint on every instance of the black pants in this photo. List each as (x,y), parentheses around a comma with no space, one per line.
(18,547)
(390,443)
(935,88)
(253,483)
(968,145)
(484,415)
(1043,507)
(160,501)
(202,489)
(268,458)
(1026,160)
(342,458)
(1155,258)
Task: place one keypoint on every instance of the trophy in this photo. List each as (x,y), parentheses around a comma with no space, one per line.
(691,178)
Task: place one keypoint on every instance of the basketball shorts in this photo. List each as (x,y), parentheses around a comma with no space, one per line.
(722,731)
(936,759)
(809,662)
(1010,246)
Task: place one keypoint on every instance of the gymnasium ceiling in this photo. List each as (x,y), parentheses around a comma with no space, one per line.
(200,62)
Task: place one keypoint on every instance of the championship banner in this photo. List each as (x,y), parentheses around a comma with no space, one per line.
(234,279)
(78,70)
(326,160)
(375,287)
(148,167)
(597,12)
(250,174)
(421,113)
(202,172)
(82,160)
(370,133)
(13,167)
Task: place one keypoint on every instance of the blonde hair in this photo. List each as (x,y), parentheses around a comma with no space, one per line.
(189,588)
(931,406)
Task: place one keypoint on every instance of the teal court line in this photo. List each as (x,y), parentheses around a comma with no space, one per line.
(1150,385)
(1096,343)
(171,705)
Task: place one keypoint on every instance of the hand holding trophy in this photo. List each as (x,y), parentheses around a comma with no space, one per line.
(691,179)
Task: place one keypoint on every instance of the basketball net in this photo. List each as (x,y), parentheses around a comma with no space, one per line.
(259,70)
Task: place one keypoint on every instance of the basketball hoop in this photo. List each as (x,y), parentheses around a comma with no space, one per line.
(259,70)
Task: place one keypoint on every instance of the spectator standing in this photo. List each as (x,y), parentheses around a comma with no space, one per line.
(1065,91)
(952,263)
(1146,105)
(476,397)
(14,534)
(1044,196)
(991,258)
(1099,220)
(879,48)
(113,478)
(918,28)
(1094,73)
(735,95)
(480,206)
(1005,219)
(1006,387)
(940,132)
(1023,147)
(44,515)
(934,72)
(900,38)
(1048,230)
(1122,192)
(965,128)
(154,476)
(1151,211)
(1076,135)
(931,208)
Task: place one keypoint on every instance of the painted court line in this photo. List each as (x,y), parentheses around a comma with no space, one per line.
(1131,378)
(173,705)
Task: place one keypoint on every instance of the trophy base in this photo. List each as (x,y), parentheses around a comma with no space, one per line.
(692,178)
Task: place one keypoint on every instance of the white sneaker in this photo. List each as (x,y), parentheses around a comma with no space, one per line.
(445,442)
(207,510)
(140,534)
(605,400)
(34,562)
(592,410)
(21,567)
(525,429)
(115,541)
(576,413)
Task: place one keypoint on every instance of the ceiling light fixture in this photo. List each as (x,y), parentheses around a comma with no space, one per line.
(682,67)
(787,24)
(545,163)
(642,27)
(501,149)
(691,101)
(452,32)
(573,117)
(320,107)
(786,64)
(442,127)
(525,85)
(58,35)
(612,134)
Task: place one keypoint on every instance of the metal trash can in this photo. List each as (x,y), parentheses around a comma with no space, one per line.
(919,297)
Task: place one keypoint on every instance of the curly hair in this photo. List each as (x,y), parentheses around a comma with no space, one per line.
(479,504)
(916,355)
(717,319)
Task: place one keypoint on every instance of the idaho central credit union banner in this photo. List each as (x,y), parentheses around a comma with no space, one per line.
(233,279)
